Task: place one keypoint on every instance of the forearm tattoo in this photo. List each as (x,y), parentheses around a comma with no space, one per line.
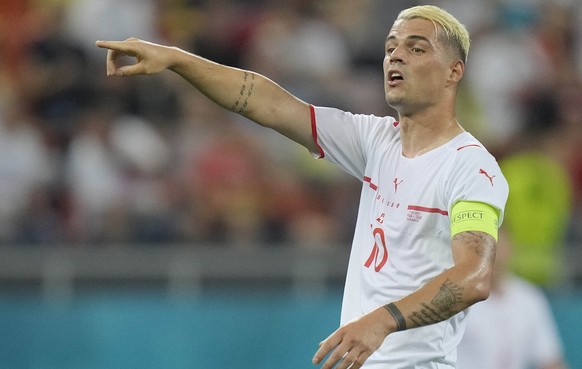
(441,307)
(446,302)
(246,90)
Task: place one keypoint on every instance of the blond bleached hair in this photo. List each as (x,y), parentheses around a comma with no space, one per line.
(454,34)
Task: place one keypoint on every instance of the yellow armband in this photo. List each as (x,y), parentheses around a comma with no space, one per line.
(474,216)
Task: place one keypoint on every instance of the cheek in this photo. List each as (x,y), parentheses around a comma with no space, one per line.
(386,65)
(431,77)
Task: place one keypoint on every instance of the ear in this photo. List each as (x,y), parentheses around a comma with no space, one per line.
(456,71)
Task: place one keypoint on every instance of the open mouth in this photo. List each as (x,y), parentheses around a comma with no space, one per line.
(395,76)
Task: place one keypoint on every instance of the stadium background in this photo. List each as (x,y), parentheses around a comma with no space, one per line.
(141,226)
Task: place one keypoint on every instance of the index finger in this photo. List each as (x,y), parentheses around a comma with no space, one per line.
(113,45)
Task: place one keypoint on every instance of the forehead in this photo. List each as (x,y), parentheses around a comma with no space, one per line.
(413,28)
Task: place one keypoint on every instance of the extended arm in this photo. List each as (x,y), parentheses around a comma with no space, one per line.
(247,93)
(466,283)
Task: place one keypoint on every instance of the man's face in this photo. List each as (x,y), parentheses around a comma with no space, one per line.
(416,66)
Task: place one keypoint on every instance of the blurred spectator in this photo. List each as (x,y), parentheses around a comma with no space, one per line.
(144,156)
(542,194)
(228,185)
(503,61)
(96,181)
(27,168)
(514,328)
(56,79)
(538,209)
(568,142)
(14,15)
(87,20)
(294,45)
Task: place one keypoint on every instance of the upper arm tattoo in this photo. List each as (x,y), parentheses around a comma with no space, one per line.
(246,90)
(479,242)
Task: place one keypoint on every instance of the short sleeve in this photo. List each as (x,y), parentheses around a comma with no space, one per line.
(347,139)
(475,176)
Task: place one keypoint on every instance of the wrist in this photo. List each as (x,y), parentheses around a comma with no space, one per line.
(398,323)
(177,59)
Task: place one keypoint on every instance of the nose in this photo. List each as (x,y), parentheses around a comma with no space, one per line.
(396,53)
(395,56)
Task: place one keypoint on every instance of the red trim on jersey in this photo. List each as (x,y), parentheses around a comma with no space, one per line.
(314,131)
(428,210)
(462,147)
(369,180)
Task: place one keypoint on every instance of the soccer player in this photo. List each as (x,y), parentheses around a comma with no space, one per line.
(432,196)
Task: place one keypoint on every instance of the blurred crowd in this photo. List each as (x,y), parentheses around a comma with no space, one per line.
(91,160)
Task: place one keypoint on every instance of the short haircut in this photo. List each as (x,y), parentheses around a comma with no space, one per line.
(454,36)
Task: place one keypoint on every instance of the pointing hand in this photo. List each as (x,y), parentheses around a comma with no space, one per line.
(150,58)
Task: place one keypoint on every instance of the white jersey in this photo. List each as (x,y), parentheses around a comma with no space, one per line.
(402,238)
(512,329)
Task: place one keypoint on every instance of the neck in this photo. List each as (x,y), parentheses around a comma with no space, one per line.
(421,133)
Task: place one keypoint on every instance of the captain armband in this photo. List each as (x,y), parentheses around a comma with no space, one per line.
(474,216)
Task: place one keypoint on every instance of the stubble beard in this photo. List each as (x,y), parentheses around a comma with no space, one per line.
(396,102)
(404,104)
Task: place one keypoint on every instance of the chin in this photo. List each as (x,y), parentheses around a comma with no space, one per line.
(394,101)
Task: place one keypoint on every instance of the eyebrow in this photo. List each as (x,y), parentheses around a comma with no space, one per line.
(411,37)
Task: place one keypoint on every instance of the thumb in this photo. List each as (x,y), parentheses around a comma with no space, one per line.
(129,70)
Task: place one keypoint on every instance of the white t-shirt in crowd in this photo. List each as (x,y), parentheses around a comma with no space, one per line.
(512,329)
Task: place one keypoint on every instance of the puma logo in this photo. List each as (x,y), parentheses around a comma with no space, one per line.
(490,178)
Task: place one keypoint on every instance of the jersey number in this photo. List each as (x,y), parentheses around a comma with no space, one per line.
(374,255)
